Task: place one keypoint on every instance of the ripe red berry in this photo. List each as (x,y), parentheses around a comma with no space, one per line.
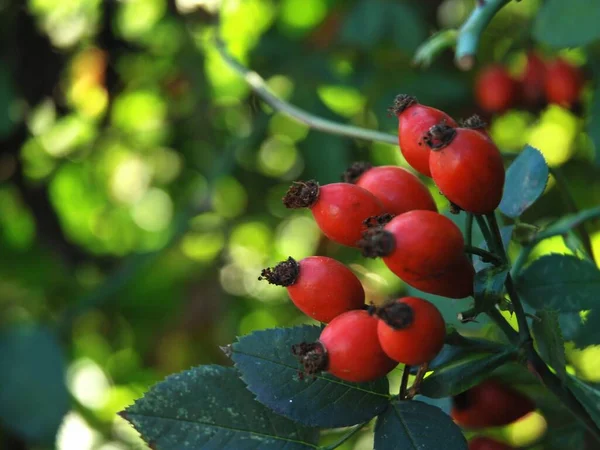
(495,90)
(563,83)
(489,404)
(321,287)
(467,167)
(454,282)
(348,348)
(483,443)
(338,208)
(420,247)
(398,189)
(411,330)
(532,81)
(413,121)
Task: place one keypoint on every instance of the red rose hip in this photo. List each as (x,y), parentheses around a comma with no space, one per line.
(338,208)
(411,330)
(348,348)
(321,287)
(495,90)
(532,81)
(563,83)
(399,190)
(467,167)
(489,404)
(414,120)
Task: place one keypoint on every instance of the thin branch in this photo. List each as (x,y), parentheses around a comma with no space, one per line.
(414,389)
(485,255)
(471,31)
(404,382)
(260,88)
(469,231)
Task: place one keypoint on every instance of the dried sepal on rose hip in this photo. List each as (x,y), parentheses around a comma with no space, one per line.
(399,190)
(411,330)
(467,168)
(348,348)
(414,120)
(425,250)
(489,404)
(475,122)
(338,208)
(320,287)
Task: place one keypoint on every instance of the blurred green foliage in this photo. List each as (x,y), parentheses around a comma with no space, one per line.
(140,180)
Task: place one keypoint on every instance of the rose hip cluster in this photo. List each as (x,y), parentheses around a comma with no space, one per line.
(388,212)
(541,82)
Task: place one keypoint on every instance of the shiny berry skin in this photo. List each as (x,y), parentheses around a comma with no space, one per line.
(468,169)
(563,83)
(532,81)
(348,348)
(454,282)
(418,246)
(414,120)
(320,287)
(489,404)
(338,208)
(399,190)
(484,443)
(411,330)
(495,90)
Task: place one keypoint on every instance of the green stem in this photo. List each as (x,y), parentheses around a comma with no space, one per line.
(496,236)
(499,320)
(518,307)
(521,260)
(404,382)
(260,88)
(487,235)
(554,385)
(470,32)
(489,256)
(347,436)
(578,219)
(469,231)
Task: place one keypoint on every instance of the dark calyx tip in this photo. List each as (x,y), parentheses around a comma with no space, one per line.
(397,315)
(378,221)
(474,123)
(401,102)
(439,136)
(301,194)
(283,274)
(312,356)
(353,173)
(377,242)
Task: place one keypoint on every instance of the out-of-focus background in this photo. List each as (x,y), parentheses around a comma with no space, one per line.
(141,180)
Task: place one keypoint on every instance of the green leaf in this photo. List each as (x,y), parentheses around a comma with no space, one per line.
(413,425)
(586,333)
(592,128)
(33,393)
(562,24)
(567,223)
(588,396)
(271,372)
(458,376)
(560,282)
(526,180)
(550,341)
(365,25)
(489,287)
(408,28)
(208,407)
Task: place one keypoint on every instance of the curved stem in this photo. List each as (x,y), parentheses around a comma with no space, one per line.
(499,320)
(414,389)
(470,32)
(469,231)
(347,436)
(487,235)
(485,255)
(260,88)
